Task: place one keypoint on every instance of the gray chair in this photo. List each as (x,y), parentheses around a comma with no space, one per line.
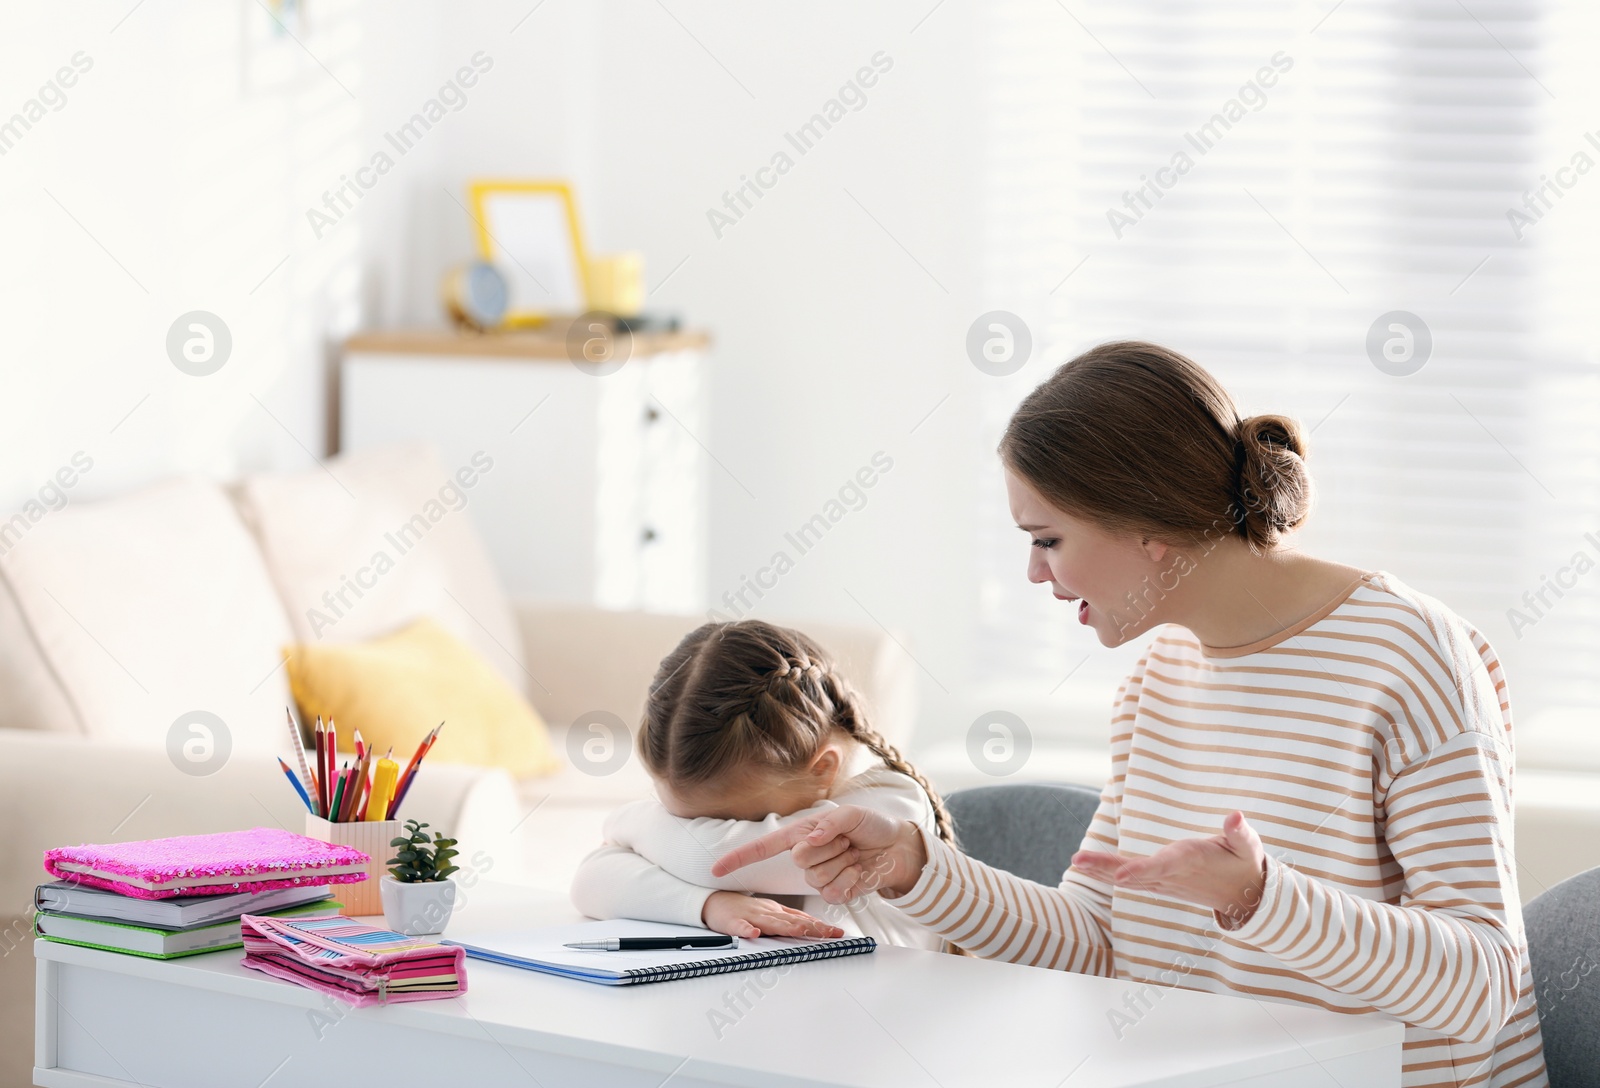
(1564,946)
(1031,829)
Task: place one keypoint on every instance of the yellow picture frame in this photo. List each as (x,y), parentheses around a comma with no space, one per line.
(529,230)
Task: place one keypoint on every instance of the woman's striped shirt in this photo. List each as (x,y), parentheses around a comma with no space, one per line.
(1370,747)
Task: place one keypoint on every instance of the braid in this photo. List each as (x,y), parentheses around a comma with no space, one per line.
(796,685)
(794,671)
(848,716)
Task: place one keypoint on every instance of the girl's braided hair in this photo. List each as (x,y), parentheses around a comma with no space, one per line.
(733,695)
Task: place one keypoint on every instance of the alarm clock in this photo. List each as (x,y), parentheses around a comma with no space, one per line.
(475,295)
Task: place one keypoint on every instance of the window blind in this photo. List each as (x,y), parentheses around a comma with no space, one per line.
(1255,184)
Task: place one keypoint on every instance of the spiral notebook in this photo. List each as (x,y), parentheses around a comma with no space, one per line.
(541,950)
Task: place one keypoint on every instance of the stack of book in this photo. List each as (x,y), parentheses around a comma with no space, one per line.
(165,929)
(178,896)
(353,961)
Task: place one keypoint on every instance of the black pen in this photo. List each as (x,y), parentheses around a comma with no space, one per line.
(655,944)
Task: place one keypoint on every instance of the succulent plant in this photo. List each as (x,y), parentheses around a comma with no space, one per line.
(419,860)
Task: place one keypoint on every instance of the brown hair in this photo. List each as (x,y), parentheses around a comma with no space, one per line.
(1137,437)
(736,694)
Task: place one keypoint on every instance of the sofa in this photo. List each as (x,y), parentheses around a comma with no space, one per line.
(121,618)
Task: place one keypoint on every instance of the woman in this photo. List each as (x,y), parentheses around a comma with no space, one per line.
(1310,797)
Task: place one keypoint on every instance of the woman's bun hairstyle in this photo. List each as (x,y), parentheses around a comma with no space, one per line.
(1139,438)
(1274,487)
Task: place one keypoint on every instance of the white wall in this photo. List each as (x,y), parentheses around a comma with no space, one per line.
(191,150)
(173,178)
(831,344)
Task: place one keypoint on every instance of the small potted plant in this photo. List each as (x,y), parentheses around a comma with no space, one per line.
(418,894)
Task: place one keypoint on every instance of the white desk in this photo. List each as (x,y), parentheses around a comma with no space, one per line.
(896,1017)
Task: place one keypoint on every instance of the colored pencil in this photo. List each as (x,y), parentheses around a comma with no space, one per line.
(308,782)
(411,771)
(330,757)
(330,745)
(352,796)
(416,758)
(338,797)
(358,811)
(295,782)
(399,798)
(346,781)
(352,793)
(322,772)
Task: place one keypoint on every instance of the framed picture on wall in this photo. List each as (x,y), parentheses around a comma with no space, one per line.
(529,230)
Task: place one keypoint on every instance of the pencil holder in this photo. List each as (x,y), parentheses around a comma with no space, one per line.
(371,838)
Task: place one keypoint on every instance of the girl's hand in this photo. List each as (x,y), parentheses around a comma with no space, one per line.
(846,852)
(740,915)
(1226,872)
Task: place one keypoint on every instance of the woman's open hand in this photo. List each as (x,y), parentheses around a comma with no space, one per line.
(1225,872)
(846,852)
(740,915)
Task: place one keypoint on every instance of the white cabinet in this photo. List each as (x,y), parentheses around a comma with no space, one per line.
(597,492)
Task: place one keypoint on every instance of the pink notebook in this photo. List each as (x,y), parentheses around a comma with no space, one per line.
(220,864)
(353,961)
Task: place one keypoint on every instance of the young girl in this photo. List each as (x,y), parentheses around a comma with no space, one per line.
(749,727)
(1310,797)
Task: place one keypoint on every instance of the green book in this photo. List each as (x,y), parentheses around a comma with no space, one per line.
(160,944)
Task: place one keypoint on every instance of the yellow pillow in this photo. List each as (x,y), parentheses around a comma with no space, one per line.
(396,688)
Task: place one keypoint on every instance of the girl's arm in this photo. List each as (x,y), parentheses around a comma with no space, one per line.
(614,882)
(686,848)
(1448,957)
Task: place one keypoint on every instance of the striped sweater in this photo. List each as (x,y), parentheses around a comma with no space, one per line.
(1370,747)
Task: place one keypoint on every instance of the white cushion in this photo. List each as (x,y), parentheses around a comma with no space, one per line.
(146,607)
(376,539)
(31,697)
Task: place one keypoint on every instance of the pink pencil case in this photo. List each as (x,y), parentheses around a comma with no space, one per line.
(220,864)
(355,962)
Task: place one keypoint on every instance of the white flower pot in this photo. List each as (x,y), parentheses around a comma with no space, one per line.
(417,910)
